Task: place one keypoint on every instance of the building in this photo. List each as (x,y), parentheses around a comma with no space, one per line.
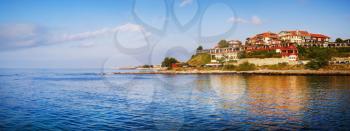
(231,53)
(290,51)
(319,38)
(347,41)
(339,60)
(266,38)
(285,50)
(234,43)
(302,37)
(295,36)
(225,54)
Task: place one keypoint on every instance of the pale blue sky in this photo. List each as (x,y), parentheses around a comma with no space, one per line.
(81,33)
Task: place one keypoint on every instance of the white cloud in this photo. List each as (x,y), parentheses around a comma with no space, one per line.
(256,20)
(85,45)
(80,36)
(185,3)
(20,35)
(16,30)
(15,36)
(130,27)
(92,34)
(237,20)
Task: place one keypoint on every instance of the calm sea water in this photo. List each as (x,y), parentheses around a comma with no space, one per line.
(85,100)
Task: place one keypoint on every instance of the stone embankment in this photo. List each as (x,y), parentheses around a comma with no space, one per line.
(257,72)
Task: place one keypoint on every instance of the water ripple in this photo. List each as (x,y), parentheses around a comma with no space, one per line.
(69,100)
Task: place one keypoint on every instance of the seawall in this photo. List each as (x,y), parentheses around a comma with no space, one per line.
(257,72)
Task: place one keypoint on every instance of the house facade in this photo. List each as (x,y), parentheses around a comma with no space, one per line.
(319,38)
(235,48)
(295,36)
(234,43)
(284,44)
(289,51)
(266,38)
(224,54)
(302,37)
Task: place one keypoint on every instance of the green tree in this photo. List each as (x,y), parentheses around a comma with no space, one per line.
(339,40)
(261,54)
(147,66)
(242,55)
(168,61)
(301,51)
(229,67)
(223,44)
(200,48)
(319,57)
(347,41)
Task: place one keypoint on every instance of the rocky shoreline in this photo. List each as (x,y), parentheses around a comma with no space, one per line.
(256,72)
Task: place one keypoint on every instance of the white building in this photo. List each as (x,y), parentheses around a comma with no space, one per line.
(225,54)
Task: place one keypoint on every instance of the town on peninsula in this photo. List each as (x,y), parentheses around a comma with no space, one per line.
(287,52)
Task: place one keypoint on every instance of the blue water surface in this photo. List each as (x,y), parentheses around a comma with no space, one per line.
(85,99)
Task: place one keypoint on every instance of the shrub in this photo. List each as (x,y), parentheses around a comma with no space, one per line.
(319,57)
(279,66)
(246,66)
(314,65)
(339,40)
(343,52)
(147,66)
(168,61)
(260,54)
(301,52)
(229,67)
(232,61)
(223,44)
(200,47)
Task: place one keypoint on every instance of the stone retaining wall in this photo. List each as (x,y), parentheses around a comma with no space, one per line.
(266,61)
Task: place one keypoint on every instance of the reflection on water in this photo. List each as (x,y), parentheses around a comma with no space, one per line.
(84,100)
(280,101)
(282,94)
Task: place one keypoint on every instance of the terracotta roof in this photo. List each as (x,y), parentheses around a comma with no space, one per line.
(298,33)
(291,47)
(319,36)
(267,34)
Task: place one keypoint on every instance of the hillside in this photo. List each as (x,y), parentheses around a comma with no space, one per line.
(199,59)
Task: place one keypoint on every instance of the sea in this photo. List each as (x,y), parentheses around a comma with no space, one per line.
(94,99)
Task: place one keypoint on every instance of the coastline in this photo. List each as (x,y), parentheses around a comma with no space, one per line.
(255,72)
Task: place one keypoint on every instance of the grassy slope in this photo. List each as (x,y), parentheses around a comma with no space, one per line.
(199,59)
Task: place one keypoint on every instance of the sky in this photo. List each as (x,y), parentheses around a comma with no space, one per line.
(118,33)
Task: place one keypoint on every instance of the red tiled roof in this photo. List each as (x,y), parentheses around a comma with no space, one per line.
(319,36)
(265,34)
(291,47)
(298,33)
(305,33)
(268,34)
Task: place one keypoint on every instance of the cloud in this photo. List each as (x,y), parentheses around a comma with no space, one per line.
(93,34)
(16,36)
(185,3)
(21,35)
(85,45)
(254,20)
(237,20)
